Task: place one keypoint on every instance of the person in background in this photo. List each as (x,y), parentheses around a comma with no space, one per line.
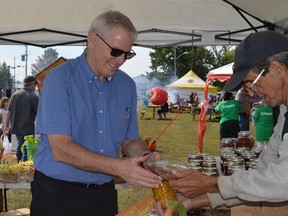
(191,98)
(3,110)
(164,109)
(229,123)
(261,65)
(87,114)
(263,117)
(177,99)
(21,114)
(243,97)
(196,100)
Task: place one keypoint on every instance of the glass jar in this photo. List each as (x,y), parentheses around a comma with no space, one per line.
(227,142)
(209,163)
(164,192)
(245,139)
(210,170)
(234,168)
(226,165)
(247,156)
(257,151)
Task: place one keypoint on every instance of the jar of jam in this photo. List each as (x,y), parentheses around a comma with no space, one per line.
(209,173)
(252,164)
(245,139)
(257,151)
(247,156)
(210,170)
(164,192)
(234,168)
(226,165)
(227,142)
(195,158)
(209,163)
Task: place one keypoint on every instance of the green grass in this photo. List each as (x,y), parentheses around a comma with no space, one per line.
(178,140)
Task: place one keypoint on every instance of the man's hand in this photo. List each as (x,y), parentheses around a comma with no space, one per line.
(133,173)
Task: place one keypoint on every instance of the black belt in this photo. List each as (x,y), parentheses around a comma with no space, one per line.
(76,184)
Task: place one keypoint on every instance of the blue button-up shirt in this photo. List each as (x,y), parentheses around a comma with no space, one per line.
(98,116)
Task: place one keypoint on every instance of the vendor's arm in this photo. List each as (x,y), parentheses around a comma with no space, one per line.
(85,159)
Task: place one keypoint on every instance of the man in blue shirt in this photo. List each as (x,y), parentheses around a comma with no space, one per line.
(87,113)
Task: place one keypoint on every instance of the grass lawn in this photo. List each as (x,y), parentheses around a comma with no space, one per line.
(177,141)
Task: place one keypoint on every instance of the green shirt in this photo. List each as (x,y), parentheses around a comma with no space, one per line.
(229,110)
(264,123)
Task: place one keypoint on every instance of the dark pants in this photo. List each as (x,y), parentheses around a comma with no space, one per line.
(244,122)
(19,154)
(58,198)
(229,129)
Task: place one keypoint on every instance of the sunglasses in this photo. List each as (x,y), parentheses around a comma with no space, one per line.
(117,52)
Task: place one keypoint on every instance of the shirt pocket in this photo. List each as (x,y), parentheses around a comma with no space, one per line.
(119,121)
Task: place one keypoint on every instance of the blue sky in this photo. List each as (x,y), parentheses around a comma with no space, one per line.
(134,67)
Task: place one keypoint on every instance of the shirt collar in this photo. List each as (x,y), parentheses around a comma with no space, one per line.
(87,69)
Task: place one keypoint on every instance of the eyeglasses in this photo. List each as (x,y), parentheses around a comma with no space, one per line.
(257,78)
(250,87)
(117,52)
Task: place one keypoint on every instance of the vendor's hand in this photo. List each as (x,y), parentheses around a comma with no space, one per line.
(192,183)
(134,174)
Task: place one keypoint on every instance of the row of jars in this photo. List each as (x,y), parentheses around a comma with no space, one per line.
(203,162)
(244,139)
(233,159)
(237,154)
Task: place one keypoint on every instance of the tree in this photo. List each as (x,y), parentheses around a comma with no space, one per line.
(50,55)
(199,59)
(6,80)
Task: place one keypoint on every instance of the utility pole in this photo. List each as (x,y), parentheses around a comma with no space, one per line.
(175,60)
(26,60)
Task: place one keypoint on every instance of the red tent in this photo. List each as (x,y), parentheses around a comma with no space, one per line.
(222,74)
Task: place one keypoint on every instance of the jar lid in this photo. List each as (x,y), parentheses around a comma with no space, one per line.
(235,168)
(210,173)
(194,156)
(244,133)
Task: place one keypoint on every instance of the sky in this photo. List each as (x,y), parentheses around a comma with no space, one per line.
(133,67)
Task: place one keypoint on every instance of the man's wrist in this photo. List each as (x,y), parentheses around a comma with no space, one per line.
(212,186)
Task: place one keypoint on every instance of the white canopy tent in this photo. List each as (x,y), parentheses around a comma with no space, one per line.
(188,83)
(160,23)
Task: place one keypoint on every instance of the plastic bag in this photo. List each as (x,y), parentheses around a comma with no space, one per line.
(164,169)
(7,145)
(2,139)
